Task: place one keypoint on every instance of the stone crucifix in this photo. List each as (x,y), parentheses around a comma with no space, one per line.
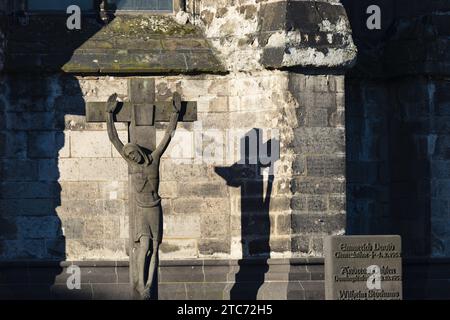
(143,157)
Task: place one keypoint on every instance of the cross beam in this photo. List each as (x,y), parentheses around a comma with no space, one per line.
(146,114)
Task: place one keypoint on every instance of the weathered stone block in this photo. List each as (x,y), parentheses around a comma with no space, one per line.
(37,88)
(182,172)
(80,208)
(88,169)
(336,84)
(69,104)
(94,229)
(186,205)
(22,249)
(210,247)
(301,244)
(316,101)
(74,190)
(317,203)
(90,144)
(213,105)
(8,229)
(173,248)
(13,144)
(319,140)
(281,186)
(279,204)
(316,118)
(55,249)
(48,170)
(30,121)
(211,190)
(168,189)
(317,246)
(73,227)
(299,202)
(337,203)
(215,226)
(95,249)
(274,16)
(181,147)
(44,144)
(182,226)
(44,227)
(19,170)
(280,245)
(318,223)
(336,119)
(113,190)
(307,185)
(283,224)
(111,227)
(299,165)
(325,166)
(124,227)
(219,88)
(111,207)
(28,190)
(30,207)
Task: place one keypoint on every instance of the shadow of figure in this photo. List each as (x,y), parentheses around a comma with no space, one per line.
(247,174)
(36,98)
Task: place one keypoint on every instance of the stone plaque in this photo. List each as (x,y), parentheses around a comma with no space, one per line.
(363,268)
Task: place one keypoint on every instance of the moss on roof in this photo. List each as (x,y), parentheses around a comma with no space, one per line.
(128,44)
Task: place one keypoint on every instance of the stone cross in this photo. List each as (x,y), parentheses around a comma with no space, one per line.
(143,158)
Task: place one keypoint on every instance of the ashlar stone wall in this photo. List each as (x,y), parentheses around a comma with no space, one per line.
(64,187)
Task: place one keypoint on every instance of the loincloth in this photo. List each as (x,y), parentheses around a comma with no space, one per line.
(147,200)
(148,222)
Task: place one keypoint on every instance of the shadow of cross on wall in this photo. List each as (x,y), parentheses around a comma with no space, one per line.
(247,173)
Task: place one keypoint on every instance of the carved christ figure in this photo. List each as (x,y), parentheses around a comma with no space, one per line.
(143,167)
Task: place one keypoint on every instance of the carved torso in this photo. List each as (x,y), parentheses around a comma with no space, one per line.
(145,183)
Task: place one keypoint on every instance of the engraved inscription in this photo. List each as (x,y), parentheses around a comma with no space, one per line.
(363,268)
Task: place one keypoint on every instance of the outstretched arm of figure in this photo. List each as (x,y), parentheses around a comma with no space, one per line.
(170,128)
(111,107)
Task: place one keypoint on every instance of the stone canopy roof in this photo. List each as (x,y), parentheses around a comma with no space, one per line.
(153,44)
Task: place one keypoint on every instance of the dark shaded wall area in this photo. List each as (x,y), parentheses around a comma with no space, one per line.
(398,128)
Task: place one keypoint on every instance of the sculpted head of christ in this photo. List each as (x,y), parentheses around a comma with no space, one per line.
(135,154)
